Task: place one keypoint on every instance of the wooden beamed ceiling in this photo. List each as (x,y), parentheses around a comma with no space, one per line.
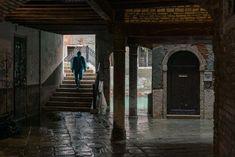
(130,4)
(84,16)
(7,6)
(55,13)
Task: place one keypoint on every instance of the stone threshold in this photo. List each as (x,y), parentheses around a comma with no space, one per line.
(175,116)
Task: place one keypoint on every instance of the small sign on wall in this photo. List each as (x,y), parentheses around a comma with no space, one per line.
(208,76)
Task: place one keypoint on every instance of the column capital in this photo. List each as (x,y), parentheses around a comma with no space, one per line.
(133,46)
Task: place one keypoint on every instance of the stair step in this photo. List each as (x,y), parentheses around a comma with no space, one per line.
(70,109)
(74,86)
(86,74)
(74,90)
(68,97)
(68,104)
(68,70)
(71,99)
(69,94)
(82,82)
(84,78)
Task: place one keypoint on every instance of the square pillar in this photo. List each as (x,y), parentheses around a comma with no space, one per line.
(133,70)
(118,132)
(103,49)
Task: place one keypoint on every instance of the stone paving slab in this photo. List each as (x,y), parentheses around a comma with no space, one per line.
(65,134)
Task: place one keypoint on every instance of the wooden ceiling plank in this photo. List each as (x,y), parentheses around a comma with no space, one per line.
(58,21)
(77,15)
(169,29)
(47,12)
(51,18)
(131,4)
(102,8)
(53,8)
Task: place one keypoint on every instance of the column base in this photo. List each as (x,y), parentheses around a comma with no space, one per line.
(118,134)
(133,117)
(132,112)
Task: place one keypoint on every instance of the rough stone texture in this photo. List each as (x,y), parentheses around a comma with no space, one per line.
(85,135)
(158,110)
(209,99)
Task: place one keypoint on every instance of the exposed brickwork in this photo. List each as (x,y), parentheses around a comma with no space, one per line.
(203,50)
(224,47)
(225,97)
(186,13)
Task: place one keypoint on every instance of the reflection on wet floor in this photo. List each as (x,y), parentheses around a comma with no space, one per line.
(82,134)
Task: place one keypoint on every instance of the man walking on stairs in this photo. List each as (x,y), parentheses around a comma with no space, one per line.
(78,65)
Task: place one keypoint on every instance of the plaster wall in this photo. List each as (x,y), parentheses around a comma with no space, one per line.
(50,52)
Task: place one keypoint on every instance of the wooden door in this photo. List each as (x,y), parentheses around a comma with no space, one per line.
(20,75)
(183,84)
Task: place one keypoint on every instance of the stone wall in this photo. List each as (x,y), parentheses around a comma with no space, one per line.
(50,52)
(161,54)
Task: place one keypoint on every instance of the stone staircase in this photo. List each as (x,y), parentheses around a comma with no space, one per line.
(68,98)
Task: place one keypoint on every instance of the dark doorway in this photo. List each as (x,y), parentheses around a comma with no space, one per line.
(20,75)
(183,84)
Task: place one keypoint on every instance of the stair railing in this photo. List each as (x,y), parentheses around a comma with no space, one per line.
(95,87)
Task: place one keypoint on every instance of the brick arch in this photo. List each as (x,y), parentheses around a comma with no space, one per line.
(195,51)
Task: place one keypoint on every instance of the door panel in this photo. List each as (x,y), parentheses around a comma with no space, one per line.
(183,87)
(20,74)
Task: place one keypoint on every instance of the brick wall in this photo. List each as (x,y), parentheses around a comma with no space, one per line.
(224,48)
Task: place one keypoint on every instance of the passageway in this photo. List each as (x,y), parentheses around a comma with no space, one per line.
(32,64)
(82,134)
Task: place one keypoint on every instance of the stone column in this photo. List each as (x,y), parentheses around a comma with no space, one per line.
(133,80)
(118,132)
(158,101)
(107,79)
(103,49)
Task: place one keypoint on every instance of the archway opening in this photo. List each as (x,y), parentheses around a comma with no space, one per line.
(183,84)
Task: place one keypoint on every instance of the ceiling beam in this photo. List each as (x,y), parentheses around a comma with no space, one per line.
(131,4)
(70,29)
(57,21)
(169,40)
(102,8)
(169,29)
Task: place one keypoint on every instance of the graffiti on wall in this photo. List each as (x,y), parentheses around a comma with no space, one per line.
(5,65)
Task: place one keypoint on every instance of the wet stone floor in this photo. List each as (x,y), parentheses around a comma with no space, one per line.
(67,134)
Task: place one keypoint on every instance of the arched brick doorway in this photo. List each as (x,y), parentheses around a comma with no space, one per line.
(183,84)
(201,68)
